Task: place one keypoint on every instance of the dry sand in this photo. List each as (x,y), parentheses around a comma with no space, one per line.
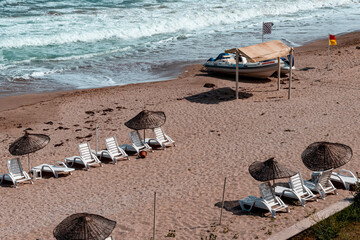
(216,137)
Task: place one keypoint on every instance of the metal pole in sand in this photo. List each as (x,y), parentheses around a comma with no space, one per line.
(328,68)
(279,73)
(154,215)
(96,136)
(262,31)
(290,74)
(237,75)
(222,202)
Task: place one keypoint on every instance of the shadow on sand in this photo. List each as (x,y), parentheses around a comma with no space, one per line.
(231,77)
(216,96)
(234,207)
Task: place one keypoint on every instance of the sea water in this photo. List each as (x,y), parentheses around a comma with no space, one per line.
(65,44)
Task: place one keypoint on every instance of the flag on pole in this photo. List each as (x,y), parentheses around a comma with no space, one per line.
(267,27)
(332,40)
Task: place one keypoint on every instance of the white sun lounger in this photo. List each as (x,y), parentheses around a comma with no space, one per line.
(113,150)
(86,158)
(58,167)
(297,190)
(16,173)
(268,201)
(161,139)
(346,177)
(321,183)
(137,143)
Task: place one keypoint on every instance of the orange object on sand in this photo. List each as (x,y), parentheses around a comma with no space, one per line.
(143,154)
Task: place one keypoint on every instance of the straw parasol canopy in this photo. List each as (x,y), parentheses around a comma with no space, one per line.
(84,226)
(321,156)
(269,170)
(146,119)
(28,143)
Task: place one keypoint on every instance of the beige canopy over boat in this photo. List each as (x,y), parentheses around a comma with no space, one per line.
(261,52)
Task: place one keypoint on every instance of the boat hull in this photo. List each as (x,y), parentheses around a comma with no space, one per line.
(260,71)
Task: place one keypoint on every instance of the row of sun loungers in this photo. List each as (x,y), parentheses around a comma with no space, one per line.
(88,157)
(298,189)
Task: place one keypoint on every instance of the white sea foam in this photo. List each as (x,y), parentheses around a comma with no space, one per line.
(136,23)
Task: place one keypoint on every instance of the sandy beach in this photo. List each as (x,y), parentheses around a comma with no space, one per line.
(216,137)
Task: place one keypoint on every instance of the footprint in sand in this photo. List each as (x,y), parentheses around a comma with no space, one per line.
(91,113)
(58,144)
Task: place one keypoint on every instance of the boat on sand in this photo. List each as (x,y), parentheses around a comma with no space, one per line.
(226,63)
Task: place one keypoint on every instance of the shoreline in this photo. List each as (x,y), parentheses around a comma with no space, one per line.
(216,137)
(15,101)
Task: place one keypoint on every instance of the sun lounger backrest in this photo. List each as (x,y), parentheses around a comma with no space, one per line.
(159,134)
(85,152)
(111,145)
(267,193)
(135,139)
(325,178)
(297,182)
(15,168)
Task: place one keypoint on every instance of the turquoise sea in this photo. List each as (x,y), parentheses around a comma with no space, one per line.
(62,44)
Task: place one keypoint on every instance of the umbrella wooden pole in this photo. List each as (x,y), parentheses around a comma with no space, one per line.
(222,201)
(154,216)
(29,162)
(144,134)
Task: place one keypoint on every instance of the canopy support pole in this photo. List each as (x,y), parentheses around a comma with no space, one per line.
(279,73)
(237,76)
(290,74)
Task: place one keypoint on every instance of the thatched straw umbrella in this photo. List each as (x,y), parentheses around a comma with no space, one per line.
(269,170)
(28,143)
(321,156)
(146,119)
(84,226)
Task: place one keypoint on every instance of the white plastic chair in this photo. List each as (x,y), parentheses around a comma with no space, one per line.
(160,138)
(16,173)
(137,143)
(321,183)
(86,158)
(113,150)
(297,190)
(268,201)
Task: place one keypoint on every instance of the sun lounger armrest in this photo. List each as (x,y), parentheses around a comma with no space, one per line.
(26,175)
(151,139)
(61,164)
(72,161)
(95,157)
(10,176)
(345,171)
(169,138)
(287,190)
(280,201)
(107,152)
